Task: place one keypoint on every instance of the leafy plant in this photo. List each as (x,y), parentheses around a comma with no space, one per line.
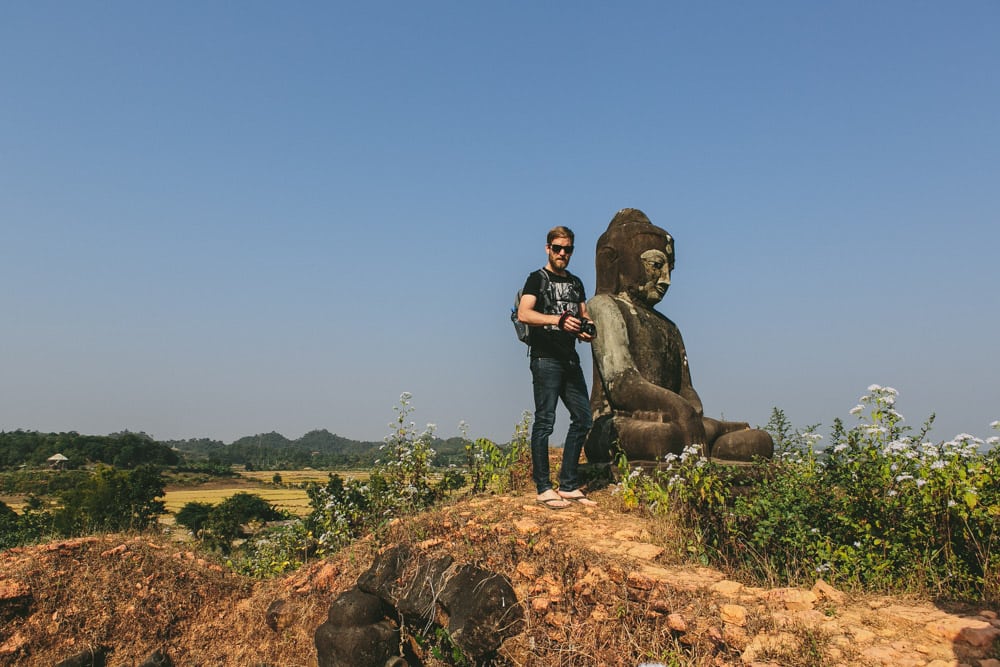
(499,469)
(218,526)
(878,508)
(111,500)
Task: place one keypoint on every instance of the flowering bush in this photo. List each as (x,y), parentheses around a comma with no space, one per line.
(401,482)
(878,507)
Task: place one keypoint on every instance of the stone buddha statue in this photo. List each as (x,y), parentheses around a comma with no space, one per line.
(642,400)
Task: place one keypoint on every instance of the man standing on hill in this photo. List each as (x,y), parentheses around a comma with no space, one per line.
(553,304)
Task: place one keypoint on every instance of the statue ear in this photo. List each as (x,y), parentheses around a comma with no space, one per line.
(607,271)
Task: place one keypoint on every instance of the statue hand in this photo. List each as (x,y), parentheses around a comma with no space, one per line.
(688,421)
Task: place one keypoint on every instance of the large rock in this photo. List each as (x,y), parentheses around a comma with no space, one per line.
(482,610)
(357,632)
(478,608)
(420,599)
(92,657)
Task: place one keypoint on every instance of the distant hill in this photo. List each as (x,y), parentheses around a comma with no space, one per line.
(264,451)
(317,449)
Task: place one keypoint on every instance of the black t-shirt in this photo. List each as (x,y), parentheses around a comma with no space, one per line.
(566,293)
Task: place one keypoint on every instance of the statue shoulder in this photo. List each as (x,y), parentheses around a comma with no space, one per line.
(603,304)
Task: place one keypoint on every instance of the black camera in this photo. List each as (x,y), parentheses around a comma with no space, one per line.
(588,327)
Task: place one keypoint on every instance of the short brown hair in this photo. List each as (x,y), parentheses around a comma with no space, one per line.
(560,232)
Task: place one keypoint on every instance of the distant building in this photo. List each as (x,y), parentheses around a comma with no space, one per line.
(57,461)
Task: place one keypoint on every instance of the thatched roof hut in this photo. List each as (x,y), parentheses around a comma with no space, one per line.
(57,461)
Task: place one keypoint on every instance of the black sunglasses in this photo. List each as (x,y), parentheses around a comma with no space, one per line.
(556,248)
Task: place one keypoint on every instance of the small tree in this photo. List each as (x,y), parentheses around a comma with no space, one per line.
(193,516)
(111,500)
(218,526)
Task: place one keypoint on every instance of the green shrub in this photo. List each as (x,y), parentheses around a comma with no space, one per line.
(275,550)
(878,508)
(500,469)
(111,500)
(218,526)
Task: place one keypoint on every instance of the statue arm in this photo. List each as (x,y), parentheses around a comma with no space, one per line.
(687,388)
(624,386)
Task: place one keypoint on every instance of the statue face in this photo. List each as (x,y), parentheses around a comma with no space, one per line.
(656,264)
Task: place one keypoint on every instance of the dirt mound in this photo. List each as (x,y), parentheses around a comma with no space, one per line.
(599,587)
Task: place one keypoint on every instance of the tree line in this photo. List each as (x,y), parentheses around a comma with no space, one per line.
(265,451)
(121,450)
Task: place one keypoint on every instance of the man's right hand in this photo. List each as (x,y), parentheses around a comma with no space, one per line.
(569,323)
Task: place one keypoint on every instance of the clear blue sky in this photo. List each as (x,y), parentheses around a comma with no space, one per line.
(225,218)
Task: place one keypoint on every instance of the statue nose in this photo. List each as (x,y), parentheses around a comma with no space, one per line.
(664,279)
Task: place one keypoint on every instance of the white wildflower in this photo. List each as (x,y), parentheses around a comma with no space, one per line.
(857,409)
(874,387)
(995,425)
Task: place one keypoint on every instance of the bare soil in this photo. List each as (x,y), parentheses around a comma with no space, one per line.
(599,586)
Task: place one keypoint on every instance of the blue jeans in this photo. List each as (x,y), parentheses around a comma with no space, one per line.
(553,380)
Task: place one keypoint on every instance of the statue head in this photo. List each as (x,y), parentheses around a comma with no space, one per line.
(634,256)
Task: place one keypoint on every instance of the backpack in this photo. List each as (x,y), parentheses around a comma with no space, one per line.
(522,330)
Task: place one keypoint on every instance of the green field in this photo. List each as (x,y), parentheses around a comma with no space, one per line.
(287,496)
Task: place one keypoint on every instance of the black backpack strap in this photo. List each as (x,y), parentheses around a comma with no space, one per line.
(546,293)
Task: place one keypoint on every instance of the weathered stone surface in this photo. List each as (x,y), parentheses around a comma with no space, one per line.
(360,646)
(728,587)
(356,608)
(420,597)
(383,577)
(15,599)
(677,623)
(279,615)
(92,657)
(157,658)
(643,402)
(482,609)
(592,586)
(824,591)
(478,608)
(733,613)
(793,599)
(954,628)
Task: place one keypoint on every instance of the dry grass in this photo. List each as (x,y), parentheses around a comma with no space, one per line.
(294,500)
(286,496)
(302,476)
